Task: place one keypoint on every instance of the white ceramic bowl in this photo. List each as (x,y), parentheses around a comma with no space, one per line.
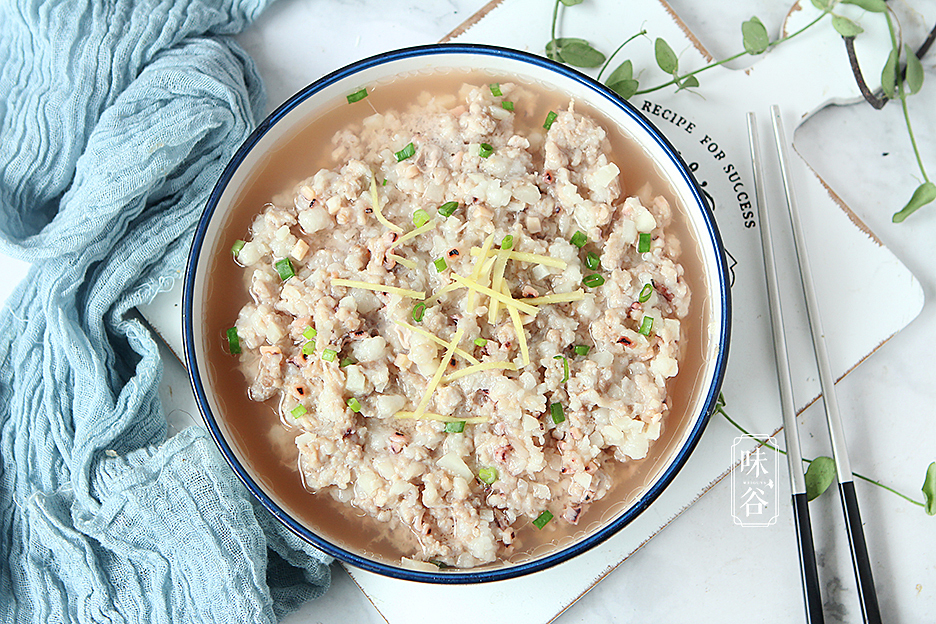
(700,373)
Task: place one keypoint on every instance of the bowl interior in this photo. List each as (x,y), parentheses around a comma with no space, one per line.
(272,160)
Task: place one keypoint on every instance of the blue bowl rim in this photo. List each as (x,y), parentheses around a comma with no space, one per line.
(482,575)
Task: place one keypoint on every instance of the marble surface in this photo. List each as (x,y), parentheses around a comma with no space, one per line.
(703,567)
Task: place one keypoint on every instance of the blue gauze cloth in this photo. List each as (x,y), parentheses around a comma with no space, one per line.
(117,118)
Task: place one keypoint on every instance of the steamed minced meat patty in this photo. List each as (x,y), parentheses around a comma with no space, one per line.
(373,324)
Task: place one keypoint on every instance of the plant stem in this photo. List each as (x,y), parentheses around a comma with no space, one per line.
(903,101)
(552,32)
(720,410)
(678,79)
(608,62)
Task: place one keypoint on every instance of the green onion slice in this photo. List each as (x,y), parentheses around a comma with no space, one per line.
(550,118)
(440,264)
(418,310)
(329,355)
(581,349)
(593,281)
(646,326)
(645,293)
(457,426)
(480,342)
(233,341)
(507,105)
(507,243)
(354,404)
(487,474)
(384,183)
(346,362)
(565,370)
(406,152)
(298,411)
(309,333)
(579,239)
(557,413)
(495,89)
(542,520)
(420,217)
(308,348)
(485,150)
(357,96)
(237,246)
(448,209)
(643,242)
(592,260)
(285,269)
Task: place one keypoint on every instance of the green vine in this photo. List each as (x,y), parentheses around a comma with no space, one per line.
(901,76)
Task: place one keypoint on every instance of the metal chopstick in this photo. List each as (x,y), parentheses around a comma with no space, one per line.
(807,553)
(859,549)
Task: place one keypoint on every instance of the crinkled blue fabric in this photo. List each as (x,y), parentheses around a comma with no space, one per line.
(117,117)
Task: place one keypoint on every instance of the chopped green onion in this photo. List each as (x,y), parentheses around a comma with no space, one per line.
(457,426)
(448,209)
(487,475)
(643,242)
(418,310)
(354,404)
(298,411)
(565,368)
(384,183)
(557,413)
(550,118)
(486,150)
(440,264)
(480,342)
(420,217)
(308,348)
(646,326)
(357,96)
(593,281)
(542,520)
(579,239)
(507,243)
(645,293)
(346,362)
(581,349)
(507,105)
(233,341)
(495,89)
(592,260)
(285,269)
(439,564)
(406,152)
(329,355)
(237,246)
(309,333)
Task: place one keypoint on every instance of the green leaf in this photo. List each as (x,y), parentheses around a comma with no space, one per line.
(572,2)
(889,75)
(874,6)
(756,40)
(822,5)
(819,476)
(665,57)
(574,51)
(924,194)
(914,71)
(929,490)
(845,26)
(689,82)
(625,88)
(625,71)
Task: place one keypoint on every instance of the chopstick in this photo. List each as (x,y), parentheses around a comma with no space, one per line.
(859,549)
(809,574)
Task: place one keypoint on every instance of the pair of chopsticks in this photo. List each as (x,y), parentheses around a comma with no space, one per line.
(859,550)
